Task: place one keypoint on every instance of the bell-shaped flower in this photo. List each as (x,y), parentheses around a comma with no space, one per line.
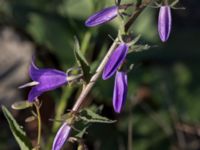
(120,91)
(164,23)
(44,80)
(61,136)
(102,16)
(115,60)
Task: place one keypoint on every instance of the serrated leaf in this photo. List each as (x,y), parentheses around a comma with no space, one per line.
(81,60)
(21,105)
(92,117)
(18,133)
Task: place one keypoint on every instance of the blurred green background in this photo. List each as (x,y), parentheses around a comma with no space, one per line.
(162,110)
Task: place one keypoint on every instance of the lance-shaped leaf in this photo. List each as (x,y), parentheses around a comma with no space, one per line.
(102,16)
(115,60)
(18,133)
(81,60)
(120,91)
(164,23)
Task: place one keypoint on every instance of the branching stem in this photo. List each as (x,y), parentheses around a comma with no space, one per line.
(81,99)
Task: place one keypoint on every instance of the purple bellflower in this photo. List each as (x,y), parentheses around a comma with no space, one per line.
(164,22)
(44,80)
(102,16)
(61,136)
(120,91)
(115,60)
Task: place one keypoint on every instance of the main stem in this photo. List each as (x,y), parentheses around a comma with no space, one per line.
(94,78)
(88,87)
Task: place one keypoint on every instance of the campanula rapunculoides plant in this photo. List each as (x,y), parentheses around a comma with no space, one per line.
(115,62)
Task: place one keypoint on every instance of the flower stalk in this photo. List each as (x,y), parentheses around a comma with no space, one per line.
(37,107)
(88,87)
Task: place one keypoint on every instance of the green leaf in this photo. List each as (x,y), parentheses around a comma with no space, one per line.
(18,133)
(21,105)
(81,60)
(138,48)
(93,117)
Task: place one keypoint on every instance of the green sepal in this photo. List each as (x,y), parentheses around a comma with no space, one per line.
(21,105)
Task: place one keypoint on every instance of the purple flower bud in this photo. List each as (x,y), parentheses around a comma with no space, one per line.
(44,80)
(61,136)
(115,60)
(102,16)
(164,22)
(120,91)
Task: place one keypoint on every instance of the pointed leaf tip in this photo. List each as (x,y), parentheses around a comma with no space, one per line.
(81,60)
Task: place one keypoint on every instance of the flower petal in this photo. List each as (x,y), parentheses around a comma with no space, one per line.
(51,79)
(115,60)
(120,91)
(33,94)
(102,16)
(34,71)
(61,136)
(164,22)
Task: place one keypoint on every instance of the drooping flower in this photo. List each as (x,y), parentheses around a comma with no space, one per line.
(102,16)
(164,22)
(44,80)
(115,60)
(61,136)
(120,91)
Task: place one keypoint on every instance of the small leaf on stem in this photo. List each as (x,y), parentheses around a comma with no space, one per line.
(81,60)
(92,117)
